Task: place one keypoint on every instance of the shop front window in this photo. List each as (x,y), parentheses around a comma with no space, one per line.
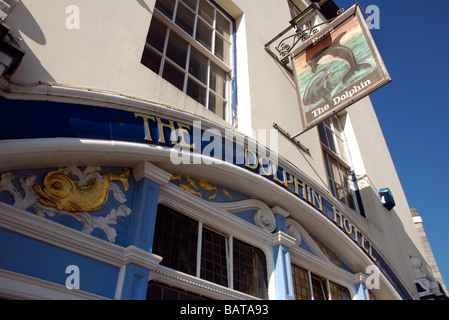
(176,240)
(338,292)
(309,286)
(301,283)
(319,288)
(188,246)
(250,271)
(160,291)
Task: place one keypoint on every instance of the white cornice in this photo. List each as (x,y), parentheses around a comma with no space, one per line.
(143,258)
(281,211)
(19,286)
(65,93)
(284,239)
(147,170)
(213,215)
(197,285)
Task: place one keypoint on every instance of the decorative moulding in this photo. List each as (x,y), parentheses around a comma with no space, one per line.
(284,239)
(148,170)
(280,211)
(18,286)
(197,285)
(263,217)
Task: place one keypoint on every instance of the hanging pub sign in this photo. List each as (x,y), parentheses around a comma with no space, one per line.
(336,67)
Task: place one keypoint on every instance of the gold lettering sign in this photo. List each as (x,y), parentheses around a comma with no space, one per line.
(180,134)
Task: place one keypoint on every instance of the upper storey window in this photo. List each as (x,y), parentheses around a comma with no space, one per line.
(190,44)
(335,157)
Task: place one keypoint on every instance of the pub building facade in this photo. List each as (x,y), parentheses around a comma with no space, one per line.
(139,161)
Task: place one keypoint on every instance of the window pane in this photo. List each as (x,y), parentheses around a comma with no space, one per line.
(341,148)
(217,106)
(204,34)
(173,75)
(223,26)
(151,59)
(156,35)
(217,80)
(206,11)
(330,139)
(222,49)
(161,291)
(198,65)
(177,50)
(213,258)
(339,181)
(175,240)
(350,200)
(294,11)
(301,284)
(166,7)
(196,91)
(339,292)
(341,193)
(336,122)
(335,171)
(322,132)
(250,270)
(332,186)
(191,4)
(319,289)
(185,18)
(347,185)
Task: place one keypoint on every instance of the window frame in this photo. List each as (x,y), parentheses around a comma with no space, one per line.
(294,10)
(345,178)
(334,126)
(313,261)
(303,285)
(335,287)
(229,99)
(325,284)
(332,132)
(199,243)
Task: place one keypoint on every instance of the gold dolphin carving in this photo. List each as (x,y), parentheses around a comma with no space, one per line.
(63,193)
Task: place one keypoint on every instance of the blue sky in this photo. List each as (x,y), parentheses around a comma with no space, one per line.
(413,110)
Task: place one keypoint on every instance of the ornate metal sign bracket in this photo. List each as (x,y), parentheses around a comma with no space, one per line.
(286,44)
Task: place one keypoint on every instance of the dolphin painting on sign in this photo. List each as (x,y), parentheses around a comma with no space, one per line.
(345,52)
(336,70)
(317,88)
(338,52)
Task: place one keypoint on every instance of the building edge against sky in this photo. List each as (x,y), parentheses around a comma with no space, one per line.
(139,161)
